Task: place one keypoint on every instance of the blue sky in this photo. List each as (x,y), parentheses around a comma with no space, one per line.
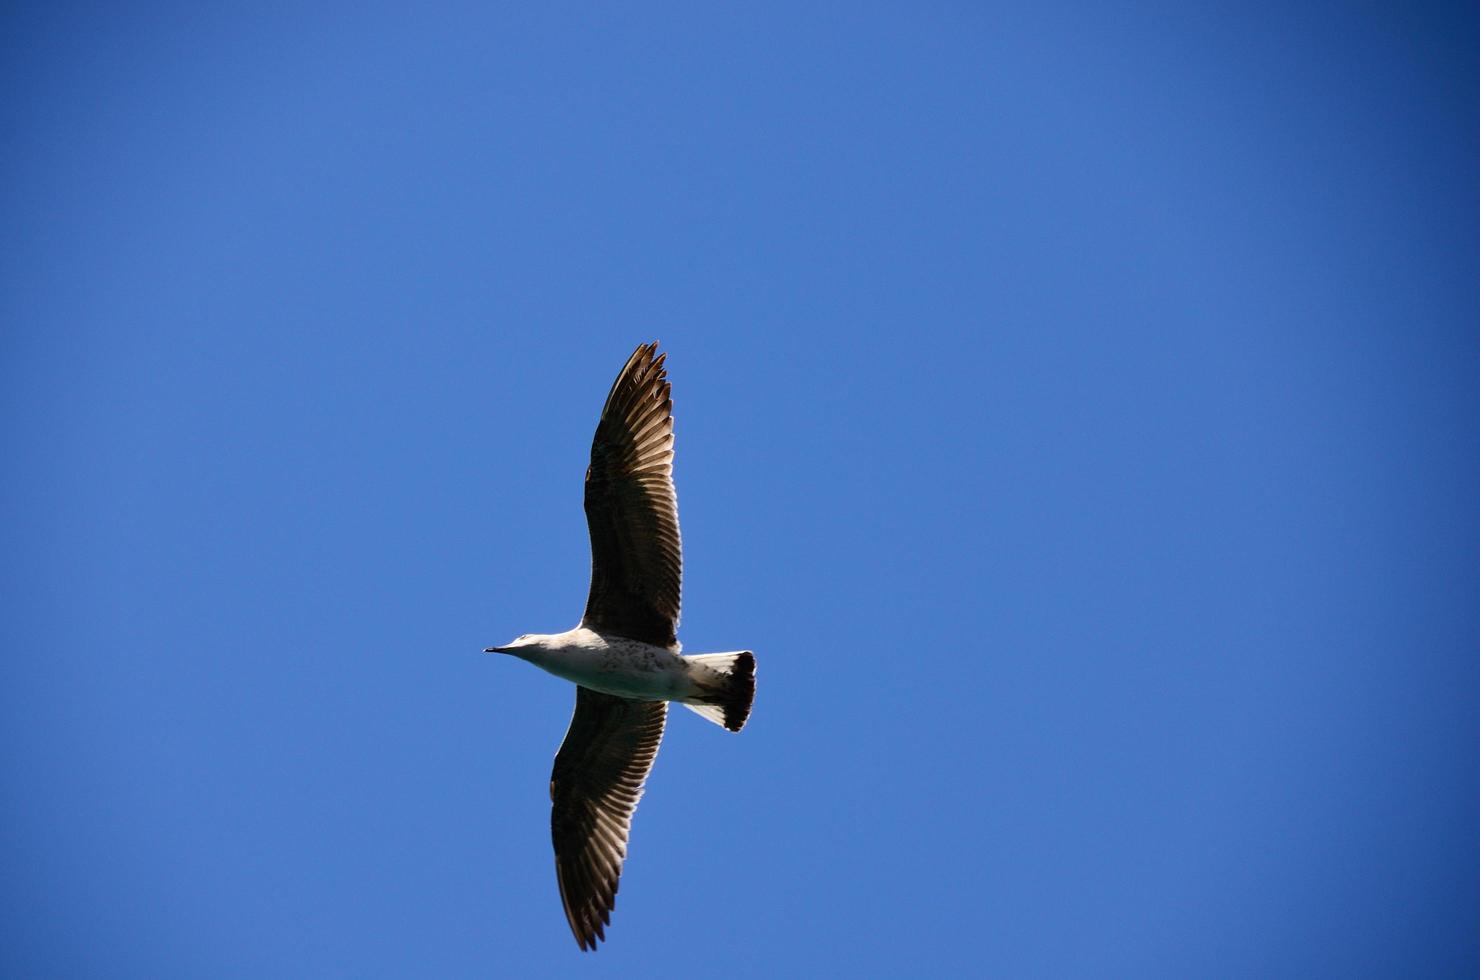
(1077,414)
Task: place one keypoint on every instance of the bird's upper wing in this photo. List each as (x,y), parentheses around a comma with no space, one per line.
(596,784)
(631,509)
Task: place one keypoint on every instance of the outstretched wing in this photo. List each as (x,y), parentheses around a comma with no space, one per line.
(631,509)
(598,779)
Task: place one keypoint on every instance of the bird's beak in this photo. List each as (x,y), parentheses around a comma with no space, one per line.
(496,650)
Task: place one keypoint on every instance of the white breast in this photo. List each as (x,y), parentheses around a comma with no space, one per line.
(625,668)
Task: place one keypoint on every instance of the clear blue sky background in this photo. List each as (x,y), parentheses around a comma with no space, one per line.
(1077,413)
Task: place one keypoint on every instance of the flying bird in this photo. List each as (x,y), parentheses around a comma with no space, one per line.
(625,657)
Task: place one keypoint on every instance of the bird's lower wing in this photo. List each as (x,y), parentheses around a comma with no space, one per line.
(597,781)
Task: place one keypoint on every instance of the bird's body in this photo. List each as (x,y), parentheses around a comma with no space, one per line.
(612,665)
(621,667)
(624,657)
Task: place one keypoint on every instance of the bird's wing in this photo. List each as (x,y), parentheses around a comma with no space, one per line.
(597,782)
(631,509)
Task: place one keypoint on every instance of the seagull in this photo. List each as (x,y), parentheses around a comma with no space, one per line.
(624,657)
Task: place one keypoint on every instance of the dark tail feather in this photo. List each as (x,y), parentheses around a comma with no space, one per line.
(733,691)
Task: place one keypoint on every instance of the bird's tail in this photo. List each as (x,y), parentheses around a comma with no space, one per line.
(726,683)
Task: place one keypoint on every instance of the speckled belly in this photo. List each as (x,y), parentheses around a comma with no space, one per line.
(625,668)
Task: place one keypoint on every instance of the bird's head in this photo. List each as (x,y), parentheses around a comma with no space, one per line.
(517,644)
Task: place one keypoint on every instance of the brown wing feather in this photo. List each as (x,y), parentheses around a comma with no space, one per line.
(631,508)
(597,781)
